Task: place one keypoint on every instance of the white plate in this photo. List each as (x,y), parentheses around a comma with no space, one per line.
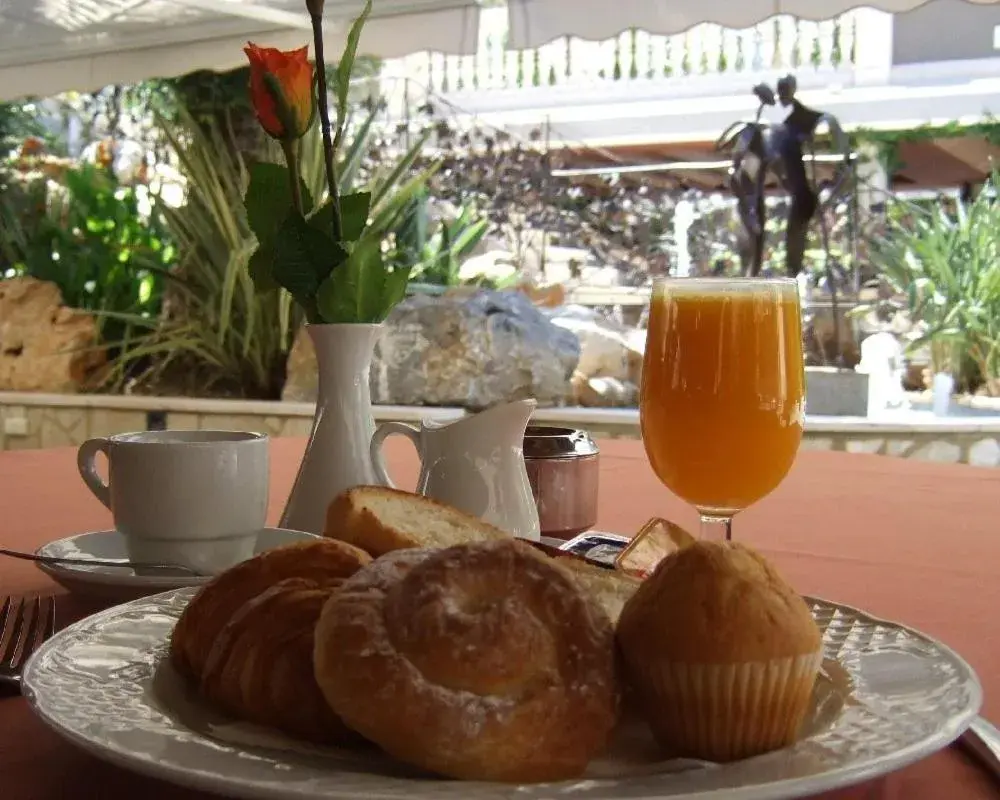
(123,583)
(104,684)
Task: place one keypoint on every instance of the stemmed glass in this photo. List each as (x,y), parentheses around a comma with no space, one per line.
(722,402)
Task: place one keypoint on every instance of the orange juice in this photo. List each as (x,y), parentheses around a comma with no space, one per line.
(722,398)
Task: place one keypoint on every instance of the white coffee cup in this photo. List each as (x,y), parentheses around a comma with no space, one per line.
(194,498)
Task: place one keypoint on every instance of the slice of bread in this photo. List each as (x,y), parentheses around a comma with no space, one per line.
(380,520)
(609,588)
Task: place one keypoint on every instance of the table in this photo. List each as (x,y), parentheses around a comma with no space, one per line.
(909,541)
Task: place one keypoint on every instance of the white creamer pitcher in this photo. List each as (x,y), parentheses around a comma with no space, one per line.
(475,464)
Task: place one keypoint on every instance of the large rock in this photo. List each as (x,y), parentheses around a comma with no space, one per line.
(301,372)
(44,346)
(471,350)
(608,349)
(604,392)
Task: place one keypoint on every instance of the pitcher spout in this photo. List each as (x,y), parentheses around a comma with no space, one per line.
(511,417)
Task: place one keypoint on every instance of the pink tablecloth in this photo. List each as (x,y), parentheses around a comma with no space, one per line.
(914,542)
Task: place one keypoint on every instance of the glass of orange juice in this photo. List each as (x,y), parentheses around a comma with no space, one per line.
(722,402)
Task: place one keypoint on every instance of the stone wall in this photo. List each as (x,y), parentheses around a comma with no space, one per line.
(37,420)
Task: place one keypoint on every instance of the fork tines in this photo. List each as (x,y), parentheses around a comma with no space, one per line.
(24,625)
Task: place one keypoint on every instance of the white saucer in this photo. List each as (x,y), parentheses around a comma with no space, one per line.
(122,583)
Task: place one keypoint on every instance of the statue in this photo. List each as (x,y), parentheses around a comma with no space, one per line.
(758,147)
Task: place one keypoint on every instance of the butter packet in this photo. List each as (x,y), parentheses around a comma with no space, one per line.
(636,556)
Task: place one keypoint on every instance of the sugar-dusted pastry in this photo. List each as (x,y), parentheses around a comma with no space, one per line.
(721,652)
(246,638)
(483,661)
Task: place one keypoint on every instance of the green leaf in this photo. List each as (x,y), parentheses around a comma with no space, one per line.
(344,69)
(354,214)
(353,156)
(322,220)
(395,289)
(303,258)
(268,199)
(260,266)
(386,185)
(392,209)
(470,238)
(364,288)
(337,298)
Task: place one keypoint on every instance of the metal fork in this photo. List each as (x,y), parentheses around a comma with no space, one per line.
(24,625)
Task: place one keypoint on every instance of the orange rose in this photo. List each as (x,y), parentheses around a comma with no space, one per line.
(281,88)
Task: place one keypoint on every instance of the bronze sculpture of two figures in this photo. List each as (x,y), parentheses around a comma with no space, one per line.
(758,147)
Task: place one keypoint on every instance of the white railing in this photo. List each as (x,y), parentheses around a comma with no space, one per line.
(779,44)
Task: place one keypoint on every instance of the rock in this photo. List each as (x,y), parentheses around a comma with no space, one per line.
(44,346)
(472,351)
(604,392)
(494,265)
(551,296)
(607,349)
(302,374)
(458,349)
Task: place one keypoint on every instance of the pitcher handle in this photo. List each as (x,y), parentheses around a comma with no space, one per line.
(382,432)
(85,457)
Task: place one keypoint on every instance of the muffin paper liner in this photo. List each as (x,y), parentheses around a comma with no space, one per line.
(725,712)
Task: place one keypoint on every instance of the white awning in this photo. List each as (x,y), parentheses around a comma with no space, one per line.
(536,22)
(51,46)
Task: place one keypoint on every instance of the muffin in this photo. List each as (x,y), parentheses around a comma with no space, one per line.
(722,653)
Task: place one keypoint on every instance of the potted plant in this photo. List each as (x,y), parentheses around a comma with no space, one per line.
(328,255)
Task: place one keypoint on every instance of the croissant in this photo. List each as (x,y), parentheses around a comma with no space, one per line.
(482,661)
(245,640)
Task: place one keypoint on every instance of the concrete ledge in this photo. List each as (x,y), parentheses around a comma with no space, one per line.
(836,392)
(50,420)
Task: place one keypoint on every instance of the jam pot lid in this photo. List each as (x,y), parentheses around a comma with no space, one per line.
(544,441)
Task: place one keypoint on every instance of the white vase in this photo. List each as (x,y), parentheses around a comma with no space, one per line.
(338,455)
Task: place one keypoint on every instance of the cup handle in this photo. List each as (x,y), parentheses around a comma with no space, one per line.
(382,432)
(85,457)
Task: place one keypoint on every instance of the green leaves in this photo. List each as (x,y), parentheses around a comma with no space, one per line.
(354,214)
(268,204)
(344,69)
(269,199)
(303,258)
(364,288)
(333,281)
(945,266)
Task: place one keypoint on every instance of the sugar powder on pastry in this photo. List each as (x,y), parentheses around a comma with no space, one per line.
(722,652)
(482,661)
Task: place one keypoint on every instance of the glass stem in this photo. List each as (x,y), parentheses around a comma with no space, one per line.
(716,529)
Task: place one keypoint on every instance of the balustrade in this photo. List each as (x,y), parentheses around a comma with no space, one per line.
(781,43)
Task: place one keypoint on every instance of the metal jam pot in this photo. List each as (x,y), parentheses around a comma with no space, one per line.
(563,468)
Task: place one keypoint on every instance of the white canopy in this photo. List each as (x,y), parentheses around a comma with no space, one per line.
(51,46)
(536,22)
